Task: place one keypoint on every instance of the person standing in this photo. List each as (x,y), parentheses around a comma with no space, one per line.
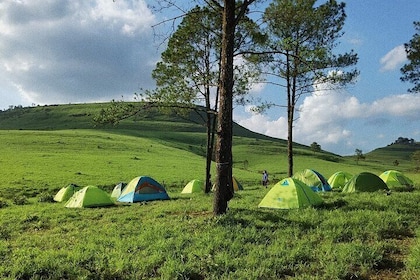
(265,178)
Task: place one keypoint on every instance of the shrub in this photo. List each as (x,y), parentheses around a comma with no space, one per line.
(3,204)
(45,197)
(20,200)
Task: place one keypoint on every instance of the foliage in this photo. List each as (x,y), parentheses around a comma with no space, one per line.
(359,155)
(45,197)
(20,200)
(315,147)
(411,70)
(404,141)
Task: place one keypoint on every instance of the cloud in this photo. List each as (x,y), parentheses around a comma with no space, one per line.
(76,51)
(339,122)
(393,59)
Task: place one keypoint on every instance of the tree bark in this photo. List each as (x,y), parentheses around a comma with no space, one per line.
(224,187)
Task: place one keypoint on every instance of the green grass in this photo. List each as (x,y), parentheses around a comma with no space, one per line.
(350,236)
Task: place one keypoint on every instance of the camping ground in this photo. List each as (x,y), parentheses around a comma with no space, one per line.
(350,236)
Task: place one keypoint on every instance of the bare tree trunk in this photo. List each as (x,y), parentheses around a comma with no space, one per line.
(290,111)
(224,187)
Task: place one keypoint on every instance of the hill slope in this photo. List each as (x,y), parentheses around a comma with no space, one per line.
(252,150)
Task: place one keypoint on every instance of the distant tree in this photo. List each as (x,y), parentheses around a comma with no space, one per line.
(411,70)
(315,147)
(359,155)
(404,141)
(396,162)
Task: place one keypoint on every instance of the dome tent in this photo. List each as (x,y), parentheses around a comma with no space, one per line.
(339,179)
(143,188)
(90,196)
(116,192)
(364,182)
(66,192)
(236,185)
(290,193)
(313,179)
(394,179)
(194,186)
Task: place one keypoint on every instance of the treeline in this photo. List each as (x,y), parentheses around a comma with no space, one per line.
(404,141)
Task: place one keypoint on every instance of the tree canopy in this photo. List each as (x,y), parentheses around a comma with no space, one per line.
(302,38)
(411,70)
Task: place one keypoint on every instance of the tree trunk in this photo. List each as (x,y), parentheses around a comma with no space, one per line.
(209,152)
(224,187)
(290,111)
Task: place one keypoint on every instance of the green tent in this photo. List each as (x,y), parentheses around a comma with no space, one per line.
(89,196)
(364,182)
(194,186)
(290,193)
(339,179)
(313,179)
(116,192)
(65,193)
(393,179)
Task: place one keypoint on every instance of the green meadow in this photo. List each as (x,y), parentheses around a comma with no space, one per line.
(350,236)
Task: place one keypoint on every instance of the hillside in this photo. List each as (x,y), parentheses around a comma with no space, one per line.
(150,124)
(185,133)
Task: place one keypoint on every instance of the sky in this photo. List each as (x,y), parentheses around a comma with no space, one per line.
(79,51)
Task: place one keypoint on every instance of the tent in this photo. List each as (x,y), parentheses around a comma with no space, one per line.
(290,193)
(236,185)
(393,178)
(339,179)
(143,188)
(65,193)
(116,192)
(313,179)
(194,186)
(89,196)
(364,182)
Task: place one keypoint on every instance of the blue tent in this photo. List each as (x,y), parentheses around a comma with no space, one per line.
(143,188)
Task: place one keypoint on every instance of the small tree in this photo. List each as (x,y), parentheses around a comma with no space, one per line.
(359,155)
(315,147)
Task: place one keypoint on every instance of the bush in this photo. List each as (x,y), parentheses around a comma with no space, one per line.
(3,204)
(20,200)
(45,197)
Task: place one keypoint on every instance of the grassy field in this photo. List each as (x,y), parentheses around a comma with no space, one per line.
(350,236)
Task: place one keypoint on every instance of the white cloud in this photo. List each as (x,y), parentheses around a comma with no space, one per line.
(393,59)
(340,123)
(75,50)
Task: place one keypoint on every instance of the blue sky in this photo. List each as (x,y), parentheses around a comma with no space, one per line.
(58,52)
